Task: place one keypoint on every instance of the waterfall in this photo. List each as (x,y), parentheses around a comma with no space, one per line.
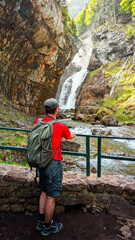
(72,84)
(118,76)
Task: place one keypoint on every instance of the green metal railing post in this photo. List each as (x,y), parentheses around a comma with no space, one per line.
(99,158)
(88,155)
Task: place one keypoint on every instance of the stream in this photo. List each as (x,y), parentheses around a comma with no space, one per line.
(114,147)
(69,87)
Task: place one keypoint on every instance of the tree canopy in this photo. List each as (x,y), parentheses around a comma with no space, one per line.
(109,8)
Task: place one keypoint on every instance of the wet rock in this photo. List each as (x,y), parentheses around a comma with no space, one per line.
(109,121)
(70,146)
(87,109)
(79,117)
(61,115)
(101,132)
(94,169)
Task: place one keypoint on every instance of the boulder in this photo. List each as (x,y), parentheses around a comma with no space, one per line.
(70,146)
(109,120)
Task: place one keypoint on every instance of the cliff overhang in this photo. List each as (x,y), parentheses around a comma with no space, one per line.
(34,51)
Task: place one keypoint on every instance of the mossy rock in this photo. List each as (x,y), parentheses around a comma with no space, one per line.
(109,121)
(104,112)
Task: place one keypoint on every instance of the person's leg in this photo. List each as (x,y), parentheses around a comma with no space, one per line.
(42,202)
(53,190)
(49,209)
(50,226)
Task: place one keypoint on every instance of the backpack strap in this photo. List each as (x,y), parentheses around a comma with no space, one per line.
(44,139)
(37,175)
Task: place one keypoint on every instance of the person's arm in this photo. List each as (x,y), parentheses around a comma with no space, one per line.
(72,135)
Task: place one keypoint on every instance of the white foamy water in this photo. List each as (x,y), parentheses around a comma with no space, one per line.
(72,84)
(114,147)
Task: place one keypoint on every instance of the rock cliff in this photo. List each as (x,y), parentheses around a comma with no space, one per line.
(111,64)
(34,51)
(111,44)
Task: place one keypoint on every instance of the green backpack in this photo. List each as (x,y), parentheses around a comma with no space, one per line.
(39,148)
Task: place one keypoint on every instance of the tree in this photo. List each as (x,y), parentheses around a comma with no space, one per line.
(90,11)
(128,6)
(133,8)
(114,11)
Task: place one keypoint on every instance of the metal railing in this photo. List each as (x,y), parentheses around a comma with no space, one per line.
(86,154)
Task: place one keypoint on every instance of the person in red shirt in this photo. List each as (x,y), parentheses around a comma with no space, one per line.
(51,176)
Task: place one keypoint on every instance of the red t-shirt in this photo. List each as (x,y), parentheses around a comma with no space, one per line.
(59,131)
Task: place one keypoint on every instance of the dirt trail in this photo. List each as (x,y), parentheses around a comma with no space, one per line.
(77,226)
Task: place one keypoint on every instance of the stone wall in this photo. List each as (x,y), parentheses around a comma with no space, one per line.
(108,193)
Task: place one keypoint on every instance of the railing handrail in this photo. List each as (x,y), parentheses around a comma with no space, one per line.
(79,135)
(87,154)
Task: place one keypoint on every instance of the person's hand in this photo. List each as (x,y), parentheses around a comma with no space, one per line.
(72,135)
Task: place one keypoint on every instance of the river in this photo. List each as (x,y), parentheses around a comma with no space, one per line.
(70,85)
(109,147)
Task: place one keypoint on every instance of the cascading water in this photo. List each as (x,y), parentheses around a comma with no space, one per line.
(72,84)
(118,76)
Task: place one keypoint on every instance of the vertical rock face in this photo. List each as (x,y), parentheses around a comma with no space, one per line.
(109,47)
(33,51)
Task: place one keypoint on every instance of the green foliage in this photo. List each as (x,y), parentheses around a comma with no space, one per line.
(90,11)
(122,102)
(8,157)
(130,31)
(133,8)
(80,17)
(70,26)
(127,5)
(94,71)
(104,111)
(79,21)
(104,11)
(11,117)
(85,16)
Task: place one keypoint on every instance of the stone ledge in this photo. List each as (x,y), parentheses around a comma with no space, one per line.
(108,193)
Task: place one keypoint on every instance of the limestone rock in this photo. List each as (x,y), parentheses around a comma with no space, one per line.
(70,146)
(112,45)
(34,52)
(94,61)
(109,121)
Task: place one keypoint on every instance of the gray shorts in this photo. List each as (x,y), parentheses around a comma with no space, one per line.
(51,178)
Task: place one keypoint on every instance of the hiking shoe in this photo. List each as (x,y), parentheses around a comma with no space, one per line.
(40,225)
(54,228)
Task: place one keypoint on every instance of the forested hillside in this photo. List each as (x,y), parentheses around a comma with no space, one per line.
(99,12)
